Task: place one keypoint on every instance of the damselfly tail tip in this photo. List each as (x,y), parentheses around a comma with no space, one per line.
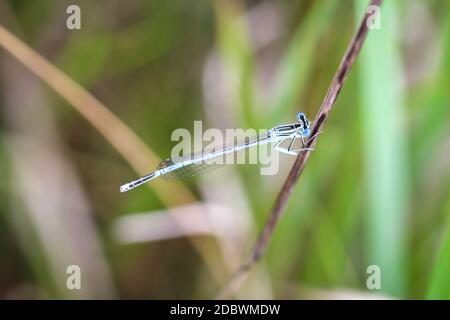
(125,187)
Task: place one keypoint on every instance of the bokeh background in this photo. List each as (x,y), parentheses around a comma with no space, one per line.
(375,191)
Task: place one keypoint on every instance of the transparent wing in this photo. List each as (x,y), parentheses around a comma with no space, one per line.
(236,145)
(203,167)
(189,170)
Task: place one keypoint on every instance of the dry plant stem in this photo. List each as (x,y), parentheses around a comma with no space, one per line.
(117,133)
(281,201)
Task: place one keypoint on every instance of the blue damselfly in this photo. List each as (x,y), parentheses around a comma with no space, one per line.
(204,161)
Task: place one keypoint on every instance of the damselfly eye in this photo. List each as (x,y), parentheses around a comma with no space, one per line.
(301,117)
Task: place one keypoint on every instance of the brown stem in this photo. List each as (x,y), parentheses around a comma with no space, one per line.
(321,117)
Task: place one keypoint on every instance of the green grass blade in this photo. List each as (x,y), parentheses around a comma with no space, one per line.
(236,52)
(297,63)
(386,160)
(436,121)
(439,285)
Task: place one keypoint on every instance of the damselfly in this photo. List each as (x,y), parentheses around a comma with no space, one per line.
(204,161)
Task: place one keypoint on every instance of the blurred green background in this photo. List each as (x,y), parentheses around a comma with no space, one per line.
(375,191)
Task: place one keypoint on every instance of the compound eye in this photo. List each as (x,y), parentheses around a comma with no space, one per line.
(301,117)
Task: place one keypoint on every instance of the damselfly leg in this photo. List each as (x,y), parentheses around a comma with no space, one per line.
(288,150)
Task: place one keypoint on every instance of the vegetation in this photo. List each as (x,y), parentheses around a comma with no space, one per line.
(375,190)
